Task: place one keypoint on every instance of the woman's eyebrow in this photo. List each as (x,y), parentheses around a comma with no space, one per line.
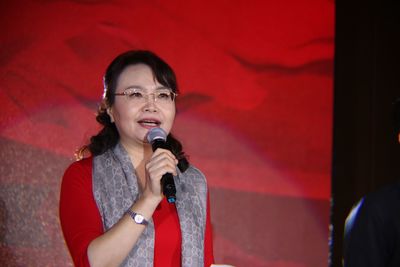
(161,87)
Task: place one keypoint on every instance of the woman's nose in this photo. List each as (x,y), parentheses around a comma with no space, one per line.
(150,103)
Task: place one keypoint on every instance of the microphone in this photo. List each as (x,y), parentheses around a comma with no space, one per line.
(157,137)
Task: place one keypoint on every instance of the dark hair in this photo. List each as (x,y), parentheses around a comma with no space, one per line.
(108,136)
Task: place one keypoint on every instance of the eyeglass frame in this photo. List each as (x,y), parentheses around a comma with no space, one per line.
(124,93)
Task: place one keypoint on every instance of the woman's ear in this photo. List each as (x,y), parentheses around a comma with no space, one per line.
(398,137)
(109,112)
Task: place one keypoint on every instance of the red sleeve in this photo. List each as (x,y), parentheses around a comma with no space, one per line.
(208,240)
(79,216)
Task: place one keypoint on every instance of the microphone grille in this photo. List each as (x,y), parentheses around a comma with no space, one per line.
(156,133)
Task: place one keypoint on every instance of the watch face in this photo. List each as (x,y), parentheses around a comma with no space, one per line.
(139,218)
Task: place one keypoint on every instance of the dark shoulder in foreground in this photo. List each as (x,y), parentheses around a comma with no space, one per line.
(389,193)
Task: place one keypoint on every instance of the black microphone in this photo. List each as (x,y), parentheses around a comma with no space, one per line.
(157,137)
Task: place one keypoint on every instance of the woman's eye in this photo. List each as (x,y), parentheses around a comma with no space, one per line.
(135,94)
(163,95)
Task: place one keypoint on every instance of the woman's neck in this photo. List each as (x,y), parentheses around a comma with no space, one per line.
(140,155)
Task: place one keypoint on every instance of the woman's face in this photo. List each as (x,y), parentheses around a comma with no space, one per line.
(134,118)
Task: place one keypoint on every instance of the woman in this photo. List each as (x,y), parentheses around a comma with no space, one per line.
(112,209)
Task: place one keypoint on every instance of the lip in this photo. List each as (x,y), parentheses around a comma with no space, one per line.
(149,123)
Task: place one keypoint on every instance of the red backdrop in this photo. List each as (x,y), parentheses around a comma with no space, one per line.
(255,115)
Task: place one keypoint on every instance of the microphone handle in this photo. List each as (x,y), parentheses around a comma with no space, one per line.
(167,180)
(168,187)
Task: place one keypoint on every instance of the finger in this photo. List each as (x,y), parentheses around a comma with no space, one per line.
(155,171)
(161,151)
(159,166)
(162,162)
(163,156)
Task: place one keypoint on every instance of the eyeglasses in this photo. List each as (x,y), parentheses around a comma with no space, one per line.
(138,95)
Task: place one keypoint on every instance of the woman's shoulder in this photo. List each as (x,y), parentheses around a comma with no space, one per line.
(194,170)
(194,174)
(85,163)
(79,170)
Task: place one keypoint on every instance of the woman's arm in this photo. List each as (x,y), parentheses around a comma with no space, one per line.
(79,217)
(111,248)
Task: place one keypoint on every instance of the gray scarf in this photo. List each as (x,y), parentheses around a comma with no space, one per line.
(115,189)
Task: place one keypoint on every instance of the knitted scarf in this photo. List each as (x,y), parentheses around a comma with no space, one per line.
(115,189)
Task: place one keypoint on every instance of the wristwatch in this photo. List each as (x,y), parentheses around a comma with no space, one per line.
(137,218)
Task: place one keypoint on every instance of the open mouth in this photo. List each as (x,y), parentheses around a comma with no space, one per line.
(149,123)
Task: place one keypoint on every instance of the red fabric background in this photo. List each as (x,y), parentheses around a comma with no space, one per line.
(255,115)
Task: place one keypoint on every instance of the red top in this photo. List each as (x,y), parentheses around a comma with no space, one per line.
(81,221)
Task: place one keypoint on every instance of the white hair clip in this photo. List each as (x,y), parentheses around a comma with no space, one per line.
(104,87)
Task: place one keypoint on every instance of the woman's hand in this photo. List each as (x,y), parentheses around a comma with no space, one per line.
(161,162)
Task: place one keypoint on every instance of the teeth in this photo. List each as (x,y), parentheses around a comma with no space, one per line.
(149,122)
